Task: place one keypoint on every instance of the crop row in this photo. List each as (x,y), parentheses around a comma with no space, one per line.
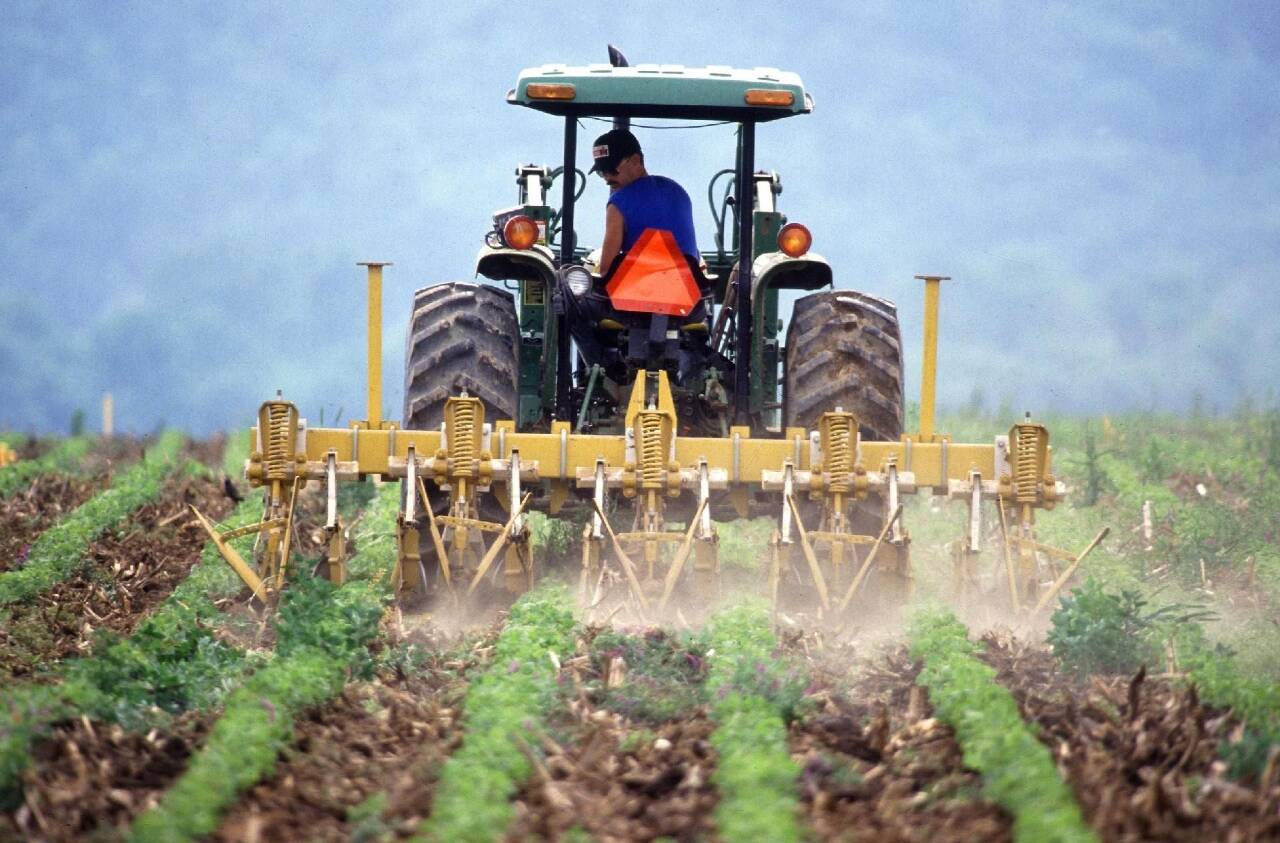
(472,802)
(172,662)
(1017,771)
(66,456)
(1253,699)
(323,634)
(61,548)
(752,692)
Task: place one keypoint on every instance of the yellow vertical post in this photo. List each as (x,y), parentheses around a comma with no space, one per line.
(929,366)
(108,415)
(374,409)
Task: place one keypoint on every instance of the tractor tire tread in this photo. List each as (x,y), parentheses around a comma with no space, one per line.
(844,349)
(462,336)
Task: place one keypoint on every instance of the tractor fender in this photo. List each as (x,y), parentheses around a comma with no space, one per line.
(503,264)
(775,269)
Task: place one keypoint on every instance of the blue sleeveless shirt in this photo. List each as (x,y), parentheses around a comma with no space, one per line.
(656,202)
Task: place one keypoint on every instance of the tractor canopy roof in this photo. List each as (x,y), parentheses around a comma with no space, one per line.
(662,90)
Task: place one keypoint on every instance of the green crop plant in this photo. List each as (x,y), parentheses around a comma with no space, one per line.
(664,673)
(61,548)
(743,542)
(65,457)
(1100,631)
(752,692)
(552,538)
(472,803)
(1254,700)
(1017,771)
(323,634)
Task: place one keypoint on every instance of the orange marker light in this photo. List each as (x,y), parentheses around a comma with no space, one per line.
(764,96)
(794,239)
(520,232)
(546,91)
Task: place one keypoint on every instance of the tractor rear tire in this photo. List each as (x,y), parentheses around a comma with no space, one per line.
(844,350)
(462,336)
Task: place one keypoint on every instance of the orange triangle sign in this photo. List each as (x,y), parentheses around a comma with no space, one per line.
(654,277)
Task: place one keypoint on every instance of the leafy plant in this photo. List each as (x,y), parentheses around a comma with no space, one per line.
(741,542)
(172,662)
(322,632)
(1098,631)
(472,801)
(1017,771)
(1095,478)
(752,693)
(1254,700)
(552,537)
(664,673)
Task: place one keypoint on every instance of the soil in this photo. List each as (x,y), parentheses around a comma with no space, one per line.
(376,737)
(89,779)
(128,572)
(391,735)
(878,767)
(614,778)
(1139,752)
(619,784)
(27,514)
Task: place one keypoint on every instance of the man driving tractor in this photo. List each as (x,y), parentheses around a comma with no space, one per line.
(637,200)
(640,206)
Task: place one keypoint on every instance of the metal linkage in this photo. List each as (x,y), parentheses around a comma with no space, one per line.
(278,465)
(836,477)
(650,476)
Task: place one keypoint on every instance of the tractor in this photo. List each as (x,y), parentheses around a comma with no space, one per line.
(683,405)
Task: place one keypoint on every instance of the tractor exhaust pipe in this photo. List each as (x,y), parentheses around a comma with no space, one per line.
(617,59)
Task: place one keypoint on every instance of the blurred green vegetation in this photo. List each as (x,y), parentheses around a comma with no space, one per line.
(1213,487)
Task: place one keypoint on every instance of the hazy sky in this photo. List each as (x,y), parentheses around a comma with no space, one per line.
(185,189)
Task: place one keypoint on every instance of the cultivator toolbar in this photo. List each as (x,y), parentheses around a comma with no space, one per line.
(468,485)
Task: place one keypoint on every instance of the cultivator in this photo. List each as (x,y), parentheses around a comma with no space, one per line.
(653,477)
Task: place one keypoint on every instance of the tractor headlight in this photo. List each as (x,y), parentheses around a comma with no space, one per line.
(578,280)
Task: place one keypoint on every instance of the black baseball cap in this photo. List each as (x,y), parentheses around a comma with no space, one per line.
(611,148)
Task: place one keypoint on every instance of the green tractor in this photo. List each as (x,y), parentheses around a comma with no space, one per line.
(506,344)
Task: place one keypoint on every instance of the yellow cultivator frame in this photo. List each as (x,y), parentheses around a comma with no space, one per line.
(659,477)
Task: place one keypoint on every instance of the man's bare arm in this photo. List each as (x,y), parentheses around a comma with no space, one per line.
(614,226)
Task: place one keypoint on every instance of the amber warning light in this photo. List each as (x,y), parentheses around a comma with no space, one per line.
(520,232)
(794,239)
(546,91)
(766,96)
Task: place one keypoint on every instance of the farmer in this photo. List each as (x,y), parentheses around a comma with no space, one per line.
(637,200)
